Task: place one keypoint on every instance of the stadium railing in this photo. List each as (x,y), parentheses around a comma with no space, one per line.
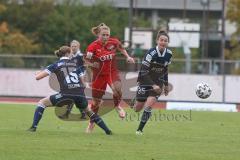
(194,66)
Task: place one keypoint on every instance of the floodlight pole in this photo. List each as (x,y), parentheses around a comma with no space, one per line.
(204,3)
(222,49)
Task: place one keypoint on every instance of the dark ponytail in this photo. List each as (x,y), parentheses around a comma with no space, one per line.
(62,51)
(162,33)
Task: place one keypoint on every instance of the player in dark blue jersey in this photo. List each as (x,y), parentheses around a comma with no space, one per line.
(152,78)
(77,57)
(75,47)
(71,81)
(76,52)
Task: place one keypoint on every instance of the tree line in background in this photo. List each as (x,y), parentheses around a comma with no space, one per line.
(233,13)
(39,27)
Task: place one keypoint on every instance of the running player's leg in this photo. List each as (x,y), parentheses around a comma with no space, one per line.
(114,82)
(93,116)
(117,97)
(138,102)
(82,112)
(151,100)
(117,92)
(96,102)
(94,108)
(82,103)
(98,120)
(98,90)
(42,104)
(145,98)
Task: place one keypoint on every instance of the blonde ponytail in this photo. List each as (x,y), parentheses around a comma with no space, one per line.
(96,30)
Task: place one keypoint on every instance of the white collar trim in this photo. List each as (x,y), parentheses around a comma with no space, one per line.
(159,54)
(79,53)
(64,58)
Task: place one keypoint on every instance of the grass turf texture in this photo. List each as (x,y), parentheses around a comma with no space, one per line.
(207,136)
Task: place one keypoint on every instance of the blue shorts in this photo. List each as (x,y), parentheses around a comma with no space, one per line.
(60,99)
(144,91)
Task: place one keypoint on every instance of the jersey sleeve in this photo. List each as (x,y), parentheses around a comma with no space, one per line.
(81,71)
(80,61)
(169,57)
(165,77)
(145,69)
(51,68)
(79,53)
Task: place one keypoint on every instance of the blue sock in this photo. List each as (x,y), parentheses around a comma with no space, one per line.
(145,116)
(37,115)
(95,118)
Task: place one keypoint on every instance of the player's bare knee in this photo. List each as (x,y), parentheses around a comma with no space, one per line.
(42,104)
(45,102)
(138,108)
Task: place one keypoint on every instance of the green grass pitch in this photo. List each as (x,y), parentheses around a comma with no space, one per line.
(203,136)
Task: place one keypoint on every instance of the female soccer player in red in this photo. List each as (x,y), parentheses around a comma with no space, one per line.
(101,57)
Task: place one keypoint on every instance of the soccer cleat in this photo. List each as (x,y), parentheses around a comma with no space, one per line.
(32,129)
(139,133)
(109,132)
(90,127)
(121,112)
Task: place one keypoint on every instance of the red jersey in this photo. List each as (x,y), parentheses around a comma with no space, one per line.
(104,54)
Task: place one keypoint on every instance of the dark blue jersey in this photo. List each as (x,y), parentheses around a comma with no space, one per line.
(154,68)
(68,74)
(78,58)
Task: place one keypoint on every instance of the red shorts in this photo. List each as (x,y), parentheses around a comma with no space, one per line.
(100,82)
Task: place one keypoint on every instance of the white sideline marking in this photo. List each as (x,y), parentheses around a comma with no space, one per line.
(201,106)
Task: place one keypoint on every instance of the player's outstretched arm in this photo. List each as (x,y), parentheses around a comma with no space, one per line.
(129,58)
(124,52)
(41,74)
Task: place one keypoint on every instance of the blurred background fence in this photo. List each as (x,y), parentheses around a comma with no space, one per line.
(194,66)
